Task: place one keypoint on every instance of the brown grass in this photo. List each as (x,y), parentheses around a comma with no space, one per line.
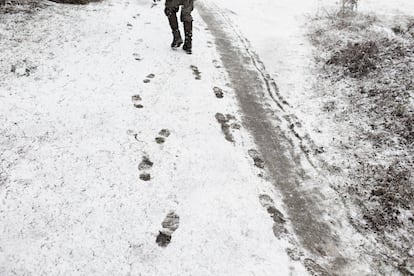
(75,2)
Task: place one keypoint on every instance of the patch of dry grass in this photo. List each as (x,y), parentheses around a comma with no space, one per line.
(75,2)
(374,59)
(14,6)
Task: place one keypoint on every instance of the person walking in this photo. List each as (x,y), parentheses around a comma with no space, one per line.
(172,7)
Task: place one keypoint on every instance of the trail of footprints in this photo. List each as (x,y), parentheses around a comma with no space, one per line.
(171,221)
(228,125)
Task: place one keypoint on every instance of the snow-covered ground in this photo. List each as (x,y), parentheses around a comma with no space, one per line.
(93,100)
(72,141)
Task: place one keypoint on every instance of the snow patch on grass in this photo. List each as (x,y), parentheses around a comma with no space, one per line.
(366,69)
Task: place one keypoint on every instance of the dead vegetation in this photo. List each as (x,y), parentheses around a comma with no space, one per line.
(18,6)
(75,2)
(358,58)
(369,65)
(13,6)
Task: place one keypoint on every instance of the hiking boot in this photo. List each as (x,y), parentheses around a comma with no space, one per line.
(177,40)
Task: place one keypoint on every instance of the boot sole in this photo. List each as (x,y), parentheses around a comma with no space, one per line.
(177,45)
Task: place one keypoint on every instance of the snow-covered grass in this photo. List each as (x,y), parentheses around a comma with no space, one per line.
(366,70)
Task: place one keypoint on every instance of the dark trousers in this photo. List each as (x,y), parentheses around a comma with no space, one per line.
(173,6)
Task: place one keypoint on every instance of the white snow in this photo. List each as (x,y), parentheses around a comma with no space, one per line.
(72,201)
(388,8)
(71,141)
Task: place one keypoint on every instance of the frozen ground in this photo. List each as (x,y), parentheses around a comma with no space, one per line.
(93,102)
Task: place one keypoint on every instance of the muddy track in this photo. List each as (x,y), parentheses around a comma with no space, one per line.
(251,82)
(284,109)
(271,86)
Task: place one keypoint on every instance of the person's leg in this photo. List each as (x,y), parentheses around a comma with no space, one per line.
(187,19)
(171,9)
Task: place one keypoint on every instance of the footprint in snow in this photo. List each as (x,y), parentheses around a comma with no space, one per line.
(227,126)
(169,226)
(218,92)
(145,176)
(277,216)
(136,101)
(137,56)
(144,166)
(257,158)
(196,72)
(163,134)
(148,78)
(160,140)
